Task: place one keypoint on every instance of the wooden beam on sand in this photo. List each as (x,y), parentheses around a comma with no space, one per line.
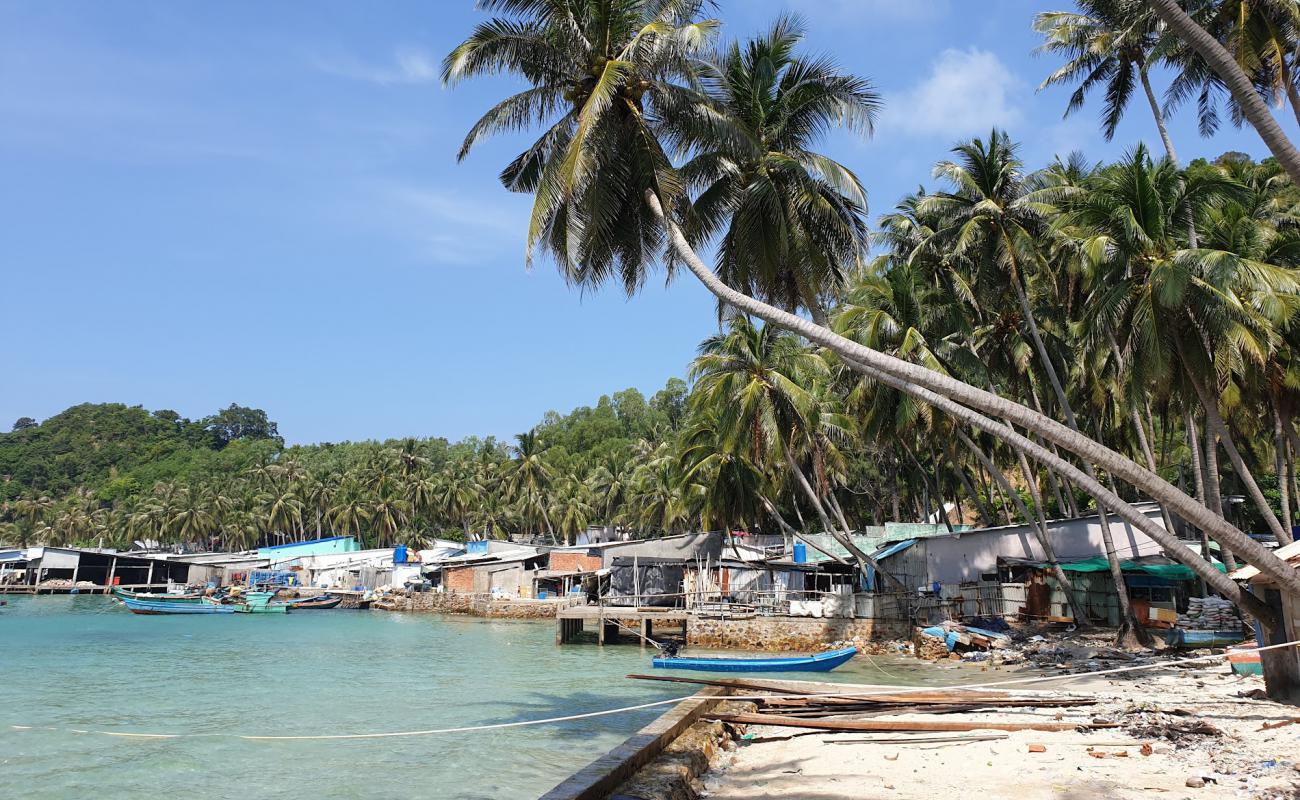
(943,696)
(924,726)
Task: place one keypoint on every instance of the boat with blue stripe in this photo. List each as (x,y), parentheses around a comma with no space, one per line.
(821,662)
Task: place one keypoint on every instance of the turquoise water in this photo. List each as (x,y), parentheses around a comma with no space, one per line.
(82,662)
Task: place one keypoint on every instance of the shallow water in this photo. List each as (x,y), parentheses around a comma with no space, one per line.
(85,663)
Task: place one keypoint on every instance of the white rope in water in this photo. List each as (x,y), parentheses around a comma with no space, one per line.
(673,701)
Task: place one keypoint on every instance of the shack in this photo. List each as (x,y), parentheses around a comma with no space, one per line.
(508,573)
(591,557)
(637,581)
(1282,666)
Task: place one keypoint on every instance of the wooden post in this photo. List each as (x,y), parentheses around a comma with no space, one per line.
(1281,667)
(600,635)
(645,631)
(149,580)
(112,569)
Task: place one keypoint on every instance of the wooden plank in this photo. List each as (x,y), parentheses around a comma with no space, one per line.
(954,695)
(926,725)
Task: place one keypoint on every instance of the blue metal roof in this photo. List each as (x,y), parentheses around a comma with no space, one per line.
(13,555)
(886,552)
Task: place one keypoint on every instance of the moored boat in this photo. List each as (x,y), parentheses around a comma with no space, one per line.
(259,603)
(821,662)
(204,606)
(319,601)
(188,597)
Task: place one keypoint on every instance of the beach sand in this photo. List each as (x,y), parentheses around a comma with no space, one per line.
(1242,762)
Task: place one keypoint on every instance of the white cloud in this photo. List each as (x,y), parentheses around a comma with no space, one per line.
(966,92)
(408,65)
(439,225)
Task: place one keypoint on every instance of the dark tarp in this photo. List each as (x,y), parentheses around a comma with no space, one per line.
(647,581)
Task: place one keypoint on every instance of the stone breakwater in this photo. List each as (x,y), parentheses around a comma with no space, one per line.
(792,633)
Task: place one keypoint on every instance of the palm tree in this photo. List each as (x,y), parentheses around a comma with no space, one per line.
(1262,38)
(788,220)
(1239,84)
(1179,312)
(601,73)
(587,177)
(528,480)
(1107,43)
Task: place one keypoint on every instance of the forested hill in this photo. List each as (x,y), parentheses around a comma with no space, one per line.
(114,447)
(114,451)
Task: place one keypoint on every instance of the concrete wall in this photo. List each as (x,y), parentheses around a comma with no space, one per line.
(967,556)
(789,633)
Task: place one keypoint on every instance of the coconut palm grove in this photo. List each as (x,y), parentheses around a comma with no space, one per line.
(1011,342)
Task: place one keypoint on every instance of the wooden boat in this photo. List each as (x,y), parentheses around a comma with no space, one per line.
(319,601)
(1245,660)
(1188,639)
(821,662)
(188,597)
(137,606)
(259,603)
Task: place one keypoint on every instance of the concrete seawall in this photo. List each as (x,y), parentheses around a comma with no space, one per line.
(789,633)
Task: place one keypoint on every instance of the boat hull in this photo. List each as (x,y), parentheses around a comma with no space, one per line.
(127,594)
(328,601)
(1245,661)
(822,662)
(152,607)
(1187,639)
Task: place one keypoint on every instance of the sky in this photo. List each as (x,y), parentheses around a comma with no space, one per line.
(259,203)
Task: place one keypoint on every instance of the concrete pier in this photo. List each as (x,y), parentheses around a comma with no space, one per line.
(571,621)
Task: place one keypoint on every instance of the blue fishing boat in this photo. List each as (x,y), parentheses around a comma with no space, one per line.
(821,662)
(138,606)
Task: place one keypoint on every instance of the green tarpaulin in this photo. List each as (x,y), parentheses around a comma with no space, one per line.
(1173,572)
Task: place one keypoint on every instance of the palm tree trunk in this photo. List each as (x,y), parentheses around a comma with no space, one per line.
(1214,422)
(845,539)
(1034,522)
(916,376)
(1280,460)
(788,533)
(1166,539)
(986,516)
(1237,81)
(1158,114)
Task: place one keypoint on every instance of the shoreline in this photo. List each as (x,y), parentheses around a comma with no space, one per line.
(1180,732)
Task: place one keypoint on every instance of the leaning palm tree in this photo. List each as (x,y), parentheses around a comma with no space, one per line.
(606,195)
(788,220)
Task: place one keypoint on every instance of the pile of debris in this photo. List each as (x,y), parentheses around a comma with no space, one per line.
(939,641)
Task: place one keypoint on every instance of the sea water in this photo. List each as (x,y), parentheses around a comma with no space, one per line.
(84,663)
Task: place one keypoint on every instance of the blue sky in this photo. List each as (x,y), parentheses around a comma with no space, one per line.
(253,202)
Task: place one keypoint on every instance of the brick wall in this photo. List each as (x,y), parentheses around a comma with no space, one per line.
(459,580)
(574,561)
